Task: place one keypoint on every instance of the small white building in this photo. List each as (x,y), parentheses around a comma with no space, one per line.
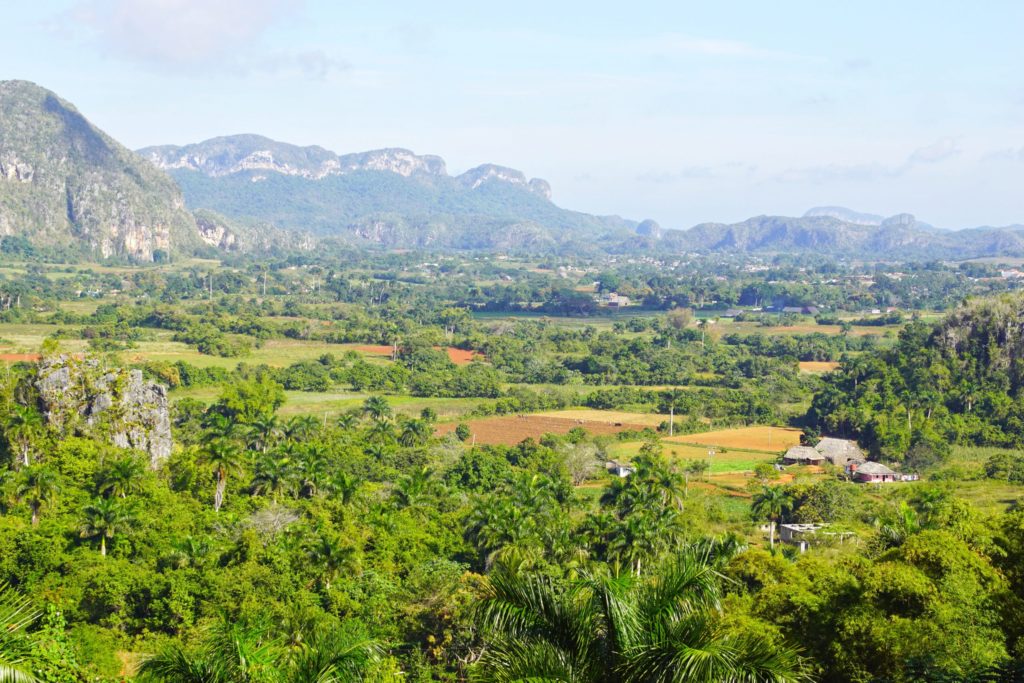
(619,469)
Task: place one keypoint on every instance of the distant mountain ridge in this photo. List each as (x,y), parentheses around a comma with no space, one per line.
(228,155)
(839,232)
(392,197)
(72,190)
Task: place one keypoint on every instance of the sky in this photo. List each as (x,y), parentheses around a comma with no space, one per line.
(681,111)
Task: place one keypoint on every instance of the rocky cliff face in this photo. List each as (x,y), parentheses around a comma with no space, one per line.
(475,177)
(64,182)
(233,154)
(80,395)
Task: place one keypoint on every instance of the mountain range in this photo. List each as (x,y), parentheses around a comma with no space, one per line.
(392,197)
(67,187)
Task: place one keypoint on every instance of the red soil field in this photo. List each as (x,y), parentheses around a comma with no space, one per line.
(17,357)
(376,350)
(508,430)
(457,356)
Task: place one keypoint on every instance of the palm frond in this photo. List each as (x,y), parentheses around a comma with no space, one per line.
(16,614)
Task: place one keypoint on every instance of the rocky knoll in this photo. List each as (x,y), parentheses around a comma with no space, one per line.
(79,395)
(66,184)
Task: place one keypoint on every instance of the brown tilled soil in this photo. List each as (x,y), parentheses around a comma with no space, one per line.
(457,356)
(18,357)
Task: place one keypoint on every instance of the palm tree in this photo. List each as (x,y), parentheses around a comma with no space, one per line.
(382,432)
(120,477)
(332,557)
(225,457)
(104,518)
(348,420)
(703,325)
(187,552)
(621,629)
(771,504)
(345,487)
(16,615)
(231,652)
(377,408)
(220,426)
(414,433)
(263,432)
(21,427)
(301,427)
(243,653)
(896,526)
(272,475)
(38,488)
(410,489)
(331,656)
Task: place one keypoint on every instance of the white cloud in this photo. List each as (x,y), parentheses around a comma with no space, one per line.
(937,152)
(711,47)
(193,35)
(1004,155)
(940,150)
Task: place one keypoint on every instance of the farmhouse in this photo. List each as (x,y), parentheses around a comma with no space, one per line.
(613,300)
(873,472)
(802,455)
(840,452)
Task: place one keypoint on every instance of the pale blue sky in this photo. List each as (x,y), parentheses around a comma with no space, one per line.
(680,111)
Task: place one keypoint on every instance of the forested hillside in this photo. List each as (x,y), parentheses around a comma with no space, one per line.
(956,382)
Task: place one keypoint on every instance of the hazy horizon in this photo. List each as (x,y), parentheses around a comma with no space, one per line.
(680,114)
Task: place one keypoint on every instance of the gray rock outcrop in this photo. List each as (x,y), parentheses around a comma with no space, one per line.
(78,395)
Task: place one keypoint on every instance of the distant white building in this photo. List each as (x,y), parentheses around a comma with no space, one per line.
(620,469)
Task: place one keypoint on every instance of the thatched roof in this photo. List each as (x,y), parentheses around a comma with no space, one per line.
(839,451)
(803,453)
(874,469)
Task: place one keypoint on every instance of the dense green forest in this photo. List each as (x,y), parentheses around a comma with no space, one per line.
(956,382)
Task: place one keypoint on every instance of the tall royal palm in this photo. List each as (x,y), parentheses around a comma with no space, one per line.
(771,504)
(414,433)
(331,557)
(21,428)
(104,518)
(661,628)
(263,433)
(37,488)
(120,477)
(377,408)
(224,457)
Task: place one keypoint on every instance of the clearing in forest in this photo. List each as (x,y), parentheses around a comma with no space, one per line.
(815,367)
(457,356)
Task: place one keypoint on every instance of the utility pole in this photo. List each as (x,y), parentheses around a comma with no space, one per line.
(711,454)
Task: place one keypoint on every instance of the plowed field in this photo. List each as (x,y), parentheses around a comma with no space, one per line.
(758,438)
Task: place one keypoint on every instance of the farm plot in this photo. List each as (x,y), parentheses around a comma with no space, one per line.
(457,356)
(813,367)
(759,438)
(724,461)
(586,417)
(511,429)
